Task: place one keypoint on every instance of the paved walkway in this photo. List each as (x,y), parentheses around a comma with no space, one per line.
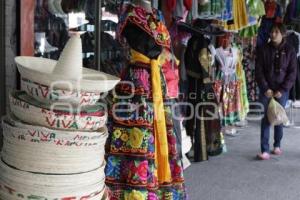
(237,175)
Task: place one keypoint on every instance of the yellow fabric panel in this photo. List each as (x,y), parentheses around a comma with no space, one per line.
(160,128)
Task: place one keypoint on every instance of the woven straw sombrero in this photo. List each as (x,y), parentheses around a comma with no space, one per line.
(61,117)
(32,148)
(67,73)
(44,93)
(88,185)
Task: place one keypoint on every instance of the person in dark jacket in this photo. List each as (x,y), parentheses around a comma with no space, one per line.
(275,70)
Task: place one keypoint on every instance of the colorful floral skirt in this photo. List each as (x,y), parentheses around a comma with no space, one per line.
(228,95)
(131,172)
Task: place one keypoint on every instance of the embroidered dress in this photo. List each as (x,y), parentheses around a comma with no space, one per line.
(241,78)
(142,154)
(227,87)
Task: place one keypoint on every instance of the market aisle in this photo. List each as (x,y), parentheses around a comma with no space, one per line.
(237,175)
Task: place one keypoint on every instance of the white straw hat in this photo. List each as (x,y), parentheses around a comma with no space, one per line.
(45,94)
(89,185)
(67,73)
(42,150)
(61,117)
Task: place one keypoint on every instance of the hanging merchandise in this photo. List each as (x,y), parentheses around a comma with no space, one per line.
(179,40)
(256,9)
(227,88)
(227,13)
(204,128)
(142,153)
(230,86)
(273,15)
(241,78)
(210,9)
(240,17)
(248,63)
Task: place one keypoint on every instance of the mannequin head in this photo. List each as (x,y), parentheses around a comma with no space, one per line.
(143,3)
(225,40)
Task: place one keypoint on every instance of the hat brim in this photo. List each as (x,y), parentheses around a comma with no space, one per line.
(199,31)
(40,70)
(57,116)
(41,143)
(58,186)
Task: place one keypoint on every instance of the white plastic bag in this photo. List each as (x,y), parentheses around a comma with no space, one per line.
(276,113)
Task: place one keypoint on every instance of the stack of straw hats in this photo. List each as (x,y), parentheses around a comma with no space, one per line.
(54,137)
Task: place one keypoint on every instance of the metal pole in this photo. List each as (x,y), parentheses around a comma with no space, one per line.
(2,59)
(98,34)
(2,66)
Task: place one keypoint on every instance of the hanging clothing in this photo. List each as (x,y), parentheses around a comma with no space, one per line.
(211,9)
(179,40)
(256,9)
(202,127)
(227,13)
(240,17)
(227,61)
(227,87)
(142,154)
(249,68)
(241,78)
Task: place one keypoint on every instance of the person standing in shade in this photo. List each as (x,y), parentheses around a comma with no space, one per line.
(275,70)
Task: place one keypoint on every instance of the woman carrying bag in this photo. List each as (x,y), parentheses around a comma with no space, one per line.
(275,71)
